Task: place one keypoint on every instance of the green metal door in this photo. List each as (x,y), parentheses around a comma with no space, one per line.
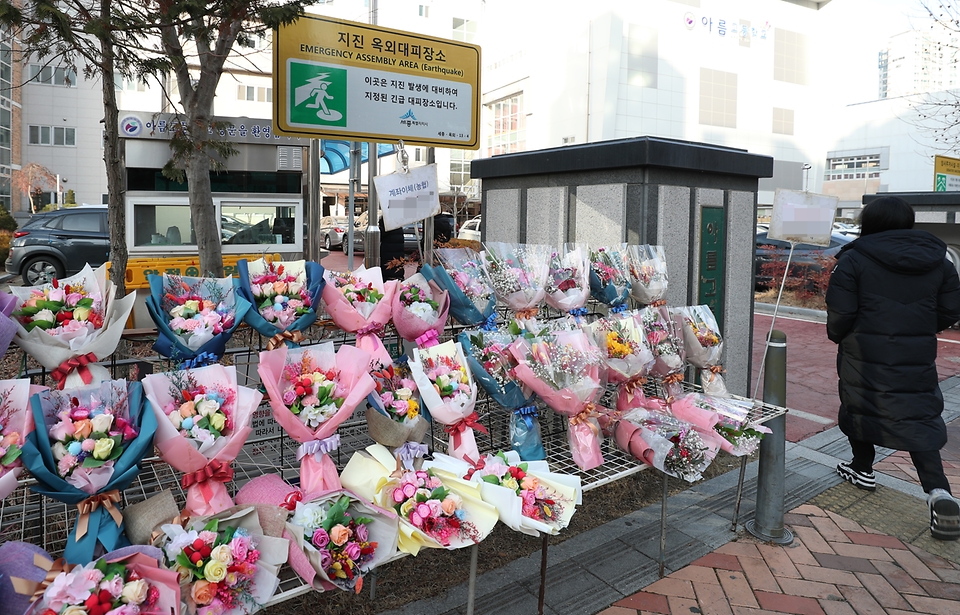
(712,259)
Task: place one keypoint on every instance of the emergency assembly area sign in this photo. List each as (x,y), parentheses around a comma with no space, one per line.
(347,80)
(946,174)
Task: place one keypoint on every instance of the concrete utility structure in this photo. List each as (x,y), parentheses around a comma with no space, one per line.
(698,201)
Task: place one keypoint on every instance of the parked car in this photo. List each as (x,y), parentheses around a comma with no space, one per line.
(806,257)
(410,244)
(332,229)
(59,243)
(470,231)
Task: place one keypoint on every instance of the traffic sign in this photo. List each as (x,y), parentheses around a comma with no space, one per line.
(946,174)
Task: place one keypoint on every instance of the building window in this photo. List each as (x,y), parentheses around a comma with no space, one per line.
(253,93)
(789,57)
(464,30)
(424,11)
(782,121)
(124,84)
(52,135)
(104,199)
(460,173)
(718,98)
(854,162)
(642,57)
(506,126)
(52,75)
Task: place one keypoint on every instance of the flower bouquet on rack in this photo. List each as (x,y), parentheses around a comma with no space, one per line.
(609,282)
(568,281)
(462,276)
(491,363)
(449,393)
(393,412)
(518,275)
(563,368)
(434,512)
(361,302)
(129,581)
(703,346)
(285,297)
(70,324)
(648,274)
(8,325)
(662,337)
(420,309)
(665,442)
(528,497)
(624,350)
(86,448)
(16,421)
(227,566)
(194,316)
(203,419)
(312,390)
(723,418)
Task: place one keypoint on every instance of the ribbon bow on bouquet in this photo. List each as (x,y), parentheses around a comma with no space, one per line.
(360,302)
(420,310)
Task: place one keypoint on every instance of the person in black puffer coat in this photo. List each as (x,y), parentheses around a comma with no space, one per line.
(890,293)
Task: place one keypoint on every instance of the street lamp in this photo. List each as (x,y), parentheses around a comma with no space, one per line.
(806,174)
(60,180)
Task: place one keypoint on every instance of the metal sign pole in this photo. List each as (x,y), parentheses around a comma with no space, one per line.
(371,240)
(313,202)
(428,230)
(354,187)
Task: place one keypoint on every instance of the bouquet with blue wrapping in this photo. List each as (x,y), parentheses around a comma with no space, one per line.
(492,364)
(87,448)
(609,283)
(194,316)
(284,295)
(471,297)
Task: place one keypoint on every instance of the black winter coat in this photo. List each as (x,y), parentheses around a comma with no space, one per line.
(889,295)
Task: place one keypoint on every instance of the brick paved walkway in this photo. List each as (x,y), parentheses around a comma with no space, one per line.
(899,465)
(833,567)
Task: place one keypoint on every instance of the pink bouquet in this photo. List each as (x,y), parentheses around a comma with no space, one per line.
(361,302)
(421,499)
(568,281)
(312,390)
(16,421)
(563,368)
(662,336)
(518,274)
(647,267)
(703,346)
(420,307)
(449,393)
(665,442)
(626,355)
(203,420)
(723,420)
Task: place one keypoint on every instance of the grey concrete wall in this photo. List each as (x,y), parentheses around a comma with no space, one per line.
(547,215)
(501,218)
(738,300)
(601,214)
(673,233)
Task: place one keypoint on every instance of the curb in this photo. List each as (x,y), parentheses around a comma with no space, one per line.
(795,312)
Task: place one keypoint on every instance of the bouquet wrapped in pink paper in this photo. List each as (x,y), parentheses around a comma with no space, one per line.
(203,420)
(8,326)
(703,346)
(70,324)
(726,419)
(16,421)
(312,390)
(419,308)
(665,442)
(361,302)
(663,338)
(647,268)
(568,281)
(518,274)
(564,369)
(626,355)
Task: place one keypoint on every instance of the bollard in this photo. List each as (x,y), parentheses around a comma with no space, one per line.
(767,524)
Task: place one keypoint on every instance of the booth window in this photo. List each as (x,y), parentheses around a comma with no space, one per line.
(162,225)
(257,224)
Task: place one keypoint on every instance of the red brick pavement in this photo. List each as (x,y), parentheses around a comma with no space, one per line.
(833,567)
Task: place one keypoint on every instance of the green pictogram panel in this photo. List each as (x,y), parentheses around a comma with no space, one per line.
(318,94)
(712,260)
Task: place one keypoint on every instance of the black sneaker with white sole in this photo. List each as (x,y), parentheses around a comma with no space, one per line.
(944,515)
(861,480)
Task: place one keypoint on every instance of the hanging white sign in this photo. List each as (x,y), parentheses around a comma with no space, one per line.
(406,197)
(802,217)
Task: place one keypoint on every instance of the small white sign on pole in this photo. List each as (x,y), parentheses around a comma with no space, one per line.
(407,197)
(802,217)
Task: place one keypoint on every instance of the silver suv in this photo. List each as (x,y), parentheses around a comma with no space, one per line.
(59,243)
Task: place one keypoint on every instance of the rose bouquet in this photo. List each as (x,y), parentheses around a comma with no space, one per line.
(393,411)
(648,274)
(285,296)
(203,419)
(722,418)
(624,350)
(312,390)
(703,346)
(73,455)
(419,308)
(449,393)
(16,421)
(462,276)
(423,501)
(70,324)
(361,302)
(568,281)
(609,282)
(661,332)
(528,497)
(665,442)
(518,274)
(194,315)
(491,363)
(563,368)
(227,566)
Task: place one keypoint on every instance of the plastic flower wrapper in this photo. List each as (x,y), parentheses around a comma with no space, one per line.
(722,418)
(203,420)
(624,350)
(24,570)
(518,274)
(8,326)
(70,324)
(528,497)
(491,363)
(449,393)
(665,442)
(312,390)
(648,274)
(194,315)
(374,474)
(471,298)
(131,580)
(306,559)
(285,297)
(361,302)
(94,483)
(419,309)
(609,282)
(16,421)
(661,331)
(227,566)
(703,346)
(568,281)
(564,369)
(394,417)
